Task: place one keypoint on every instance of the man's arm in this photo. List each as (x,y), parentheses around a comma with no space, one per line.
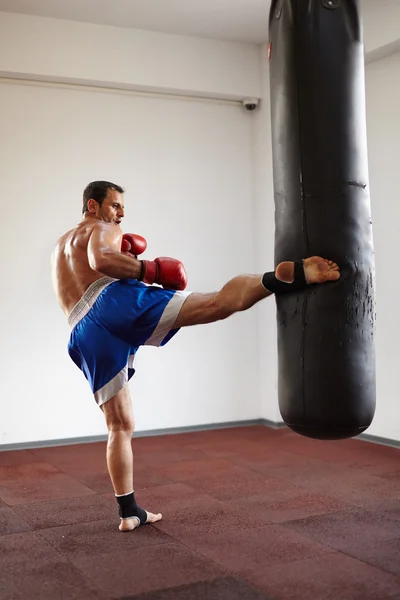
(104,254)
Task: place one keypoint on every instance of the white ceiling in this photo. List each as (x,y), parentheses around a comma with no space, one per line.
(236,20)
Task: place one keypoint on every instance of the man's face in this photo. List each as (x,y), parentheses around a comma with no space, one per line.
(112,209)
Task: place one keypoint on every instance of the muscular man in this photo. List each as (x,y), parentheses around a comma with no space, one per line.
(113,308)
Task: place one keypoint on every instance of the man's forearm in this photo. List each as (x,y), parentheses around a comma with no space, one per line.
(119,266)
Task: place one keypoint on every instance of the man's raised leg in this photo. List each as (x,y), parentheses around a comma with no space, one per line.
(243,291)
(120,424)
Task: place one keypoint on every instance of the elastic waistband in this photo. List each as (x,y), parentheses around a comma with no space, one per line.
(90,296)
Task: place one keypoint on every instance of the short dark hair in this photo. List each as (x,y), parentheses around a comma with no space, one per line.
(98,191)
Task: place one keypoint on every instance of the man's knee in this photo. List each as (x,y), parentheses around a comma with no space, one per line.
(118,413)
(121,424)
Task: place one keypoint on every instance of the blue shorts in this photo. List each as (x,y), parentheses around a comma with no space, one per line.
(109,323)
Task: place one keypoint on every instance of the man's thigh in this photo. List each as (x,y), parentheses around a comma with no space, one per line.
(199,309)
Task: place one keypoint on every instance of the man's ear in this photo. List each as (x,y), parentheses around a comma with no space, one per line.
(92,205)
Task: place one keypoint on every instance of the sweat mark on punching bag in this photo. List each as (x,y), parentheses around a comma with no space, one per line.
(357,184)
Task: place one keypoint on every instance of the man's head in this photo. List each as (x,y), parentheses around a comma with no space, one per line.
(104,200)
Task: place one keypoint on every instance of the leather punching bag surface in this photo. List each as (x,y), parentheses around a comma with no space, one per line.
(326,357)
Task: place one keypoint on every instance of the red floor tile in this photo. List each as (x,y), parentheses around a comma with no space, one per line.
(100,483)
(100,537)
(16,457)
(235,483)
(27,549)
(226,588)
(70,455)
(392,476)
(191,470)
(118,574)
(384,555)
(10,522)
(57,580)
(199,515)
(346,530)
(353,486)
(37,482)
(167,456)
(75,461)
(256,548)
(331,576)
(67,511)
(280,508)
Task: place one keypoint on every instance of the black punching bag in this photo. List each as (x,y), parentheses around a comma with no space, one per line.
(326,356)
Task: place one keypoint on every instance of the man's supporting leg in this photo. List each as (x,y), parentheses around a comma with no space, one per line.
(120,424)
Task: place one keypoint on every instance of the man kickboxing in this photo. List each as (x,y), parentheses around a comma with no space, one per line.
(116,303)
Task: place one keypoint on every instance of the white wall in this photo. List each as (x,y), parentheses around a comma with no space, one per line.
(383,119)
(54,50)
(186,166)
(381,23)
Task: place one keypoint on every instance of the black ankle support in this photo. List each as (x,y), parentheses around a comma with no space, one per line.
(275,286)
(129,509)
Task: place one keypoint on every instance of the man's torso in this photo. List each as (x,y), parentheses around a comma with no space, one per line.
(71,271)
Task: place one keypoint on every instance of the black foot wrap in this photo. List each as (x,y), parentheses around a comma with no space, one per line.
(275,286)
(128,509)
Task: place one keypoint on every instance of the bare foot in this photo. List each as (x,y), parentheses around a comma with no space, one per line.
(131,524)
(316,269)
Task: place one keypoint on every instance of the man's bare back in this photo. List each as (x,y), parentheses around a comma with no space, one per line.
(71,270)
(91,251)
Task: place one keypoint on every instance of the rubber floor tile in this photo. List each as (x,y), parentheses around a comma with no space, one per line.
(282,464)
(70,455)
(248,549)
(97,482)
(54,581)
(353,486)
(191,470)
(199,515)
(75,460)
(230,448)
(372,458)
(157,443)
(332,576)
(392,476)
(11,522)
(167,456)
(227,588)
(119,574)
(269,509)
(384,555)
(235,484)
(100,537)
(37,482)
(17,457)
(253,485)
(346,530)
(222,435)
(27,549)
(68,511)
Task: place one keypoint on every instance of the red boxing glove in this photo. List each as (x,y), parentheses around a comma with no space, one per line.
(133,243)
(168,272)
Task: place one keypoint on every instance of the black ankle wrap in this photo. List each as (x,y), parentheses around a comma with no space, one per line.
(275,286)
(129,509)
